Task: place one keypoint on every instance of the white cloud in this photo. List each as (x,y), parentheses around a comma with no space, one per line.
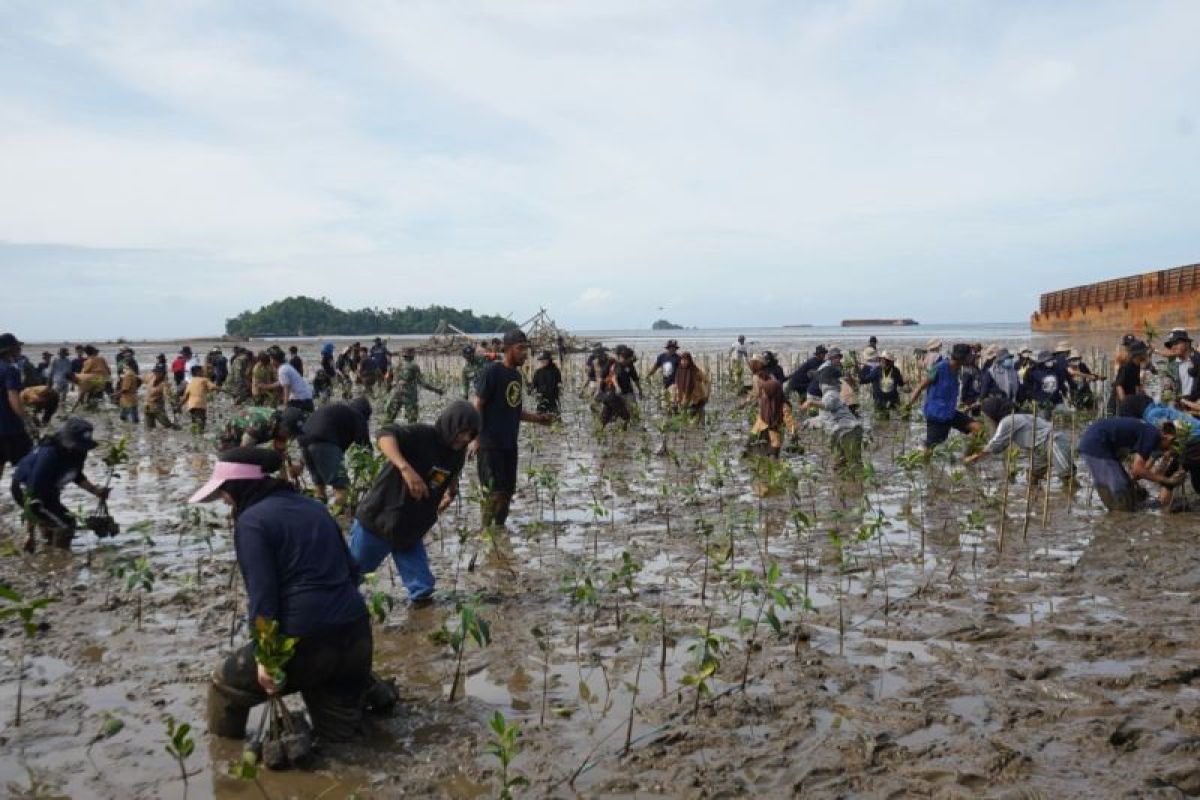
(593,298)
(502,155)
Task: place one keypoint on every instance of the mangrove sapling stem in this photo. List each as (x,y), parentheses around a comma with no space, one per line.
(841,627)
(1007,479)
(20,680)
(1029,483)
(662,618)
(1049,472)
(703,657)
(637,681)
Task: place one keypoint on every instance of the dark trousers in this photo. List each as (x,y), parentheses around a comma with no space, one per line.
(332,672)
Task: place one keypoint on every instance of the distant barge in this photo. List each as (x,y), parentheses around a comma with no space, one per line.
(1164,299)
(874,323)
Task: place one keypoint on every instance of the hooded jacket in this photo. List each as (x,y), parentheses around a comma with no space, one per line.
(389,511)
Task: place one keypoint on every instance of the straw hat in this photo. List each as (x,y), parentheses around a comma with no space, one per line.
(1062,347)
(933,344)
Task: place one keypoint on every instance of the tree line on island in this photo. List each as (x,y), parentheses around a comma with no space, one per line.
(306,316)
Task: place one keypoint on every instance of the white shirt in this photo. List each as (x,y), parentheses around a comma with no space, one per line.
(187,369)
(297,387)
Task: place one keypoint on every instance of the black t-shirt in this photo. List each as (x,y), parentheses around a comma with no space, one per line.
(500,390)
(547,381)
(338,424)
(625,376)
(1129,377)
(799,380)
(1116,436)
(437,464)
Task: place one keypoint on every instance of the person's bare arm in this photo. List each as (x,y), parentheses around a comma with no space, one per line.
(925,384)
(391,451)
(14,402)
(1142,470)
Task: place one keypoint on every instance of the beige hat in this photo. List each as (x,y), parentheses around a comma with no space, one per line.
(990,351)
(869,352)
(1062,347)
(933,344)
(886,355)
(1025,351)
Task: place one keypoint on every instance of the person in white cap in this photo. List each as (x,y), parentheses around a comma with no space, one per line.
(299,573)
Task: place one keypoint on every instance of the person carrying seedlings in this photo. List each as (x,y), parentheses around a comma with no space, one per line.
(127,394)
(159,393)
(298,572)
(15,424)
(416,485)
(547,384)
(498,399)
(41,476)
(405,391)
(774,411)
(326,437)
(294,390)
(885,381)
(941,403)
(803,375)
(668,362)
(195,398)
(40,400)
(689,394)
(1106,443)
(1025,431)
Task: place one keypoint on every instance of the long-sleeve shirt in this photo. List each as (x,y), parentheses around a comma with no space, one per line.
(47,470)
(296,565)
(1026,431)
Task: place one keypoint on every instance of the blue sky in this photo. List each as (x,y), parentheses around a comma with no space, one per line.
(169,164)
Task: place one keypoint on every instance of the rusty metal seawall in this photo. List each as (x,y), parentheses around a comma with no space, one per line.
(1167,298)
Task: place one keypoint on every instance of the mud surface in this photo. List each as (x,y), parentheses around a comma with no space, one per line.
(923,663)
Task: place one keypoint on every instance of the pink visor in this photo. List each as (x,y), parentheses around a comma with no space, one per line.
(226,471)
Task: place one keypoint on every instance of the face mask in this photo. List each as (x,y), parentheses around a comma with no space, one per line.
(1007,362)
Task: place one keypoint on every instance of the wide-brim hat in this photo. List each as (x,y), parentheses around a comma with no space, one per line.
(671,343)
(933,344)
(990,351)
(886,355)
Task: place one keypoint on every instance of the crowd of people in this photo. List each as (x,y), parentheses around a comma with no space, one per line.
(301,571)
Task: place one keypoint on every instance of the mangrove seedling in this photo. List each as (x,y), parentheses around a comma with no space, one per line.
(706,664)
(138,575)
(26,611)
(180,745)
(379,602)
(504,747)
(273,650)
(473,627)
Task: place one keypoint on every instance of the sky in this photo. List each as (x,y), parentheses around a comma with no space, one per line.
(165,165)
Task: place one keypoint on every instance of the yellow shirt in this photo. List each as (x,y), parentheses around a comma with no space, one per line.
(195,395)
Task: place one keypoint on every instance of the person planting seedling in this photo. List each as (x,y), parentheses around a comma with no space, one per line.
(326,437)
(40,476)
(416,485)
(1025,431)
(300,576)
(1103,447)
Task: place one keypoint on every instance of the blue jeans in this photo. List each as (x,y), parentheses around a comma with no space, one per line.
(369,551)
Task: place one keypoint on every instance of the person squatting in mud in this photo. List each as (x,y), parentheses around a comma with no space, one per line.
(416,485)
(324,440)
(499,399)
(1104,446)
(298,572)
(40,477)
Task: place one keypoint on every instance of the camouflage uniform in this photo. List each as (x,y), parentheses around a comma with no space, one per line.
(470,371)
(404,395)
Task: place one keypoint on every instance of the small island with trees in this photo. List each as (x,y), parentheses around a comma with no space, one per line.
(664,325)
(307,316)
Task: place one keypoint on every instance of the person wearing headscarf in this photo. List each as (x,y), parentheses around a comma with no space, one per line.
(298,572)
(691,388)
(416,485)
(41,476)
(774,411)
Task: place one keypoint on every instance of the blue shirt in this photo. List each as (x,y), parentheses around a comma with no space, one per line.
(1112,438)
(296,565)
(47,470)
(10,381)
